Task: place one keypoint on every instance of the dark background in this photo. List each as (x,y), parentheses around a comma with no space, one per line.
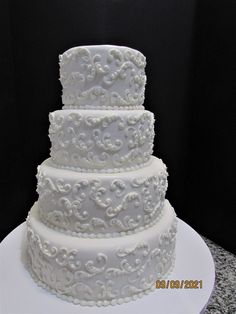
(190,47)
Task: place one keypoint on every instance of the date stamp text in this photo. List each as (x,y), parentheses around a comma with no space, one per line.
(179,284)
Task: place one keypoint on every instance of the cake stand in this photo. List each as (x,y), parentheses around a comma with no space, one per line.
(20,295)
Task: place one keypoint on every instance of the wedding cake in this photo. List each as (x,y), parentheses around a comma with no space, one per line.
(101,231)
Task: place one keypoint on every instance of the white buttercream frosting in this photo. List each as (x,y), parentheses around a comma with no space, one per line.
(101,205)
(103,76)
(101,271)
(101,139)
(101,232)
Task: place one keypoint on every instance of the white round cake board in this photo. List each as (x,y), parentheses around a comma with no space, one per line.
(20,295)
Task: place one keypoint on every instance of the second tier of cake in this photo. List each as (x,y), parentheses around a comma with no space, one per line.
(101,140)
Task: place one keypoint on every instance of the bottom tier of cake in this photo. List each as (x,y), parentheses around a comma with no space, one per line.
(101,271)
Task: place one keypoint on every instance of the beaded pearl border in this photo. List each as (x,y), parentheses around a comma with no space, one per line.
(114,170)
(88,107)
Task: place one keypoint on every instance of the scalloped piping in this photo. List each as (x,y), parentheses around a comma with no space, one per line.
(104,235)
(114,170)
(99,303)
(73,106)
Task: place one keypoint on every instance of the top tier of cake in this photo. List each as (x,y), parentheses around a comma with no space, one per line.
(102,77)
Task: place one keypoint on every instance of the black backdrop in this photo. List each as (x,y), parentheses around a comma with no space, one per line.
(191,52)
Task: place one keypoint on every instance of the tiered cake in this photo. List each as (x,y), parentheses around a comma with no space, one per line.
(101,232)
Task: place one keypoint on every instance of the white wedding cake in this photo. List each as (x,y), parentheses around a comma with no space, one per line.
(101,231)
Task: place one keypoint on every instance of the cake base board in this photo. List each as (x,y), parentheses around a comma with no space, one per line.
(20,295)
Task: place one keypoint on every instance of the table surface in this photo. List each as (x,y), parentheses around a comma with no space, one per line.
(223,299)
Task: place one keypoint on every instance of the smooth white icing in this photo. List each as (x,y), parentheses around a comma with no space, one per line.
(101,139)
(101,271)
(83,204)
(102,76)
